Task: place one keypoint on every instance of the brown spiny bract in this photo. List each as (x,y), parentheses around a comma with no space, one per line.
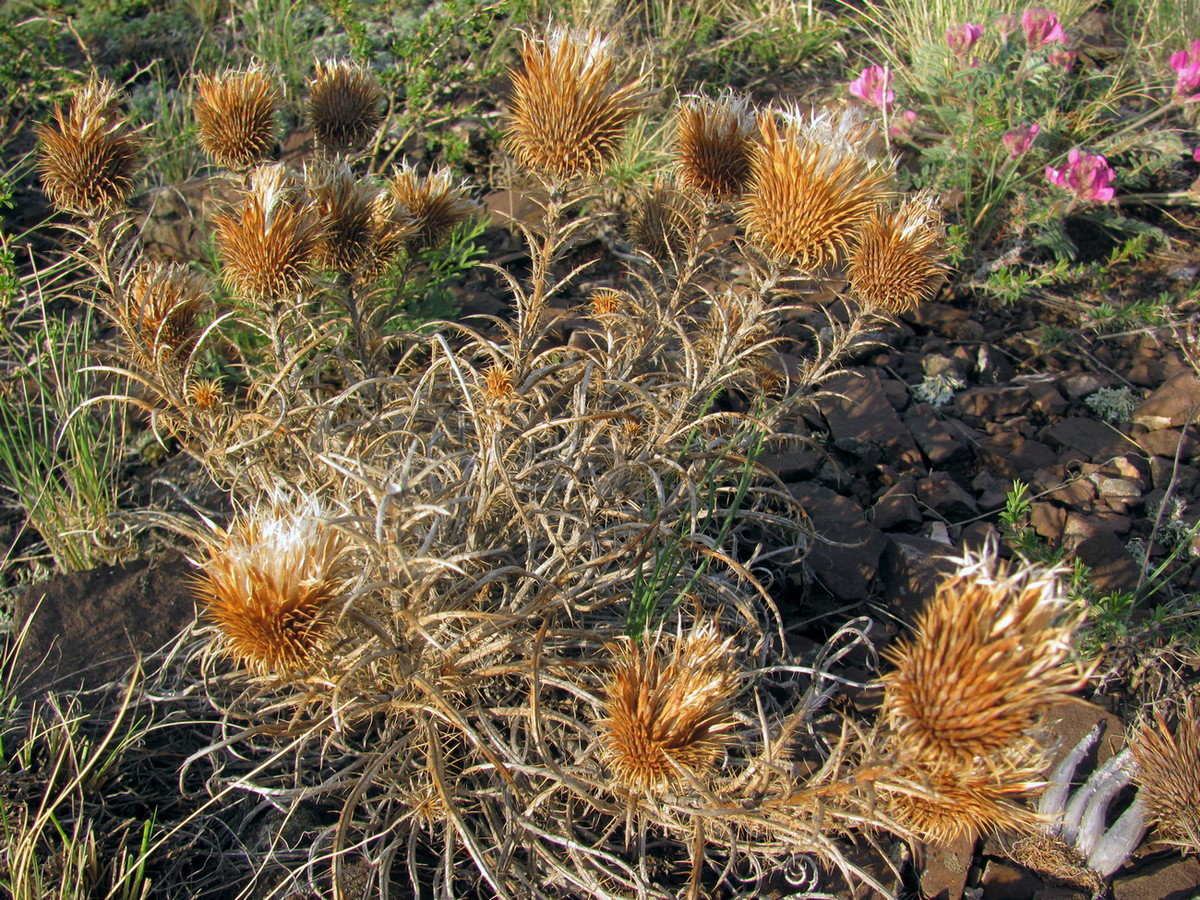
(433,205)
(713,139)
(568,112)
(605,302)
(268,584)
(236,114)
(663,221)
(990,653)
(206,395)
(162,304)
(88,158)
(345,105)
(667,720)
(812,185)
(1169,775)
(269,241)
(498,388)
(899,259)
(346,203)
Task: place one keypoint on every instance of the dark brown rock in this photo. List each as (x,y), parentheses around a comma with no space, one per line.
(992,402)
(1093,439)
(1112,568)
(912,567)
(858,412)
(1004,880)
(1047,519)
(1164,879)
(846,550)
(946,869)
(1174,404)
(1165,442)
(1044,394)
(940,442)
(1013,456)
(897,505)
(942,494)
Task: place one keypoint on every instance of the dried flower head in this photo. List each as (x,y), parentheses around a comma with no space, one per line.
(899,258)
(346,204)
(269,241)
(568,112)
(990,653)
(1169,775)
(268,584)
(498,388)
(206,395)
(345,105)
(162,304)
(236,114)
(89,157)
(668,720)
(663,220)
(434,205)
(813,183)
(605,302)
(713,139)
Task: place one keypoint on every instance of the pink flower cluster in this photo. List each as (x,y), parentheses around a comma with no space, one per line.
(1186,64)
(1086,175)
(1041,27)
(874,86)
(1018,140)
(960,40)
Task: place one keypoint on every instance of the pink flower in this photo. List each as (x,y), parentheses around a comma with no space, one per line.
(902,124)
(961,39)
(1065,58)
(1006,24)
(1196,155)
(874,86)
(1018,140)
(1186,64)
(1086,175)
(1041,26)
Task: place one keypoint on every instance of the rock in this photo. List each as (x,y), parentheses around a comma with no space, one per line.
(897,505)
(896,392)
(1043,394)
(1082,384)
(942,494)
(1069,490)
(1004,880)
(1160,879)
(1079,527)
(910,571)
(940,442)
(1176,403)
(858,411)
(1095,440)
(940,317)
(1013,456)
(794,463)
(992,403)
(846,549)
(1112,568)
(1164,470)
(946,868)
(1166,441)
(1047,519)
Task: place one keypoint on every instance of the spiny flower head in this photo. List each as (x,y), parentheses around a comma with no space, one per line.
(898,260)
(433,205)
(345,105)
(568,112)
(89,157)
(713,139)
(667,719)
(1169,775)
(206,394)
(990,653)
(346,204)
(813,182)
(236,114)
(605,302)
(268,584)
(269,241)
(663,220)
(162,304)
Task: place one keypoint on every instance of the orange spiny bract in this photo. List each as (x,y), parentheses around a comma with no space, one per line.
(713,140)
(236,115)
(605,302)
(162,304)
(206,395)
(268,584)
(568,113)
(1169,775)
(345,105)
(89,157)
(812,185)
(498,388)
(346,204)
(269,241)
(434,205)
(899,259)
(667,720)
(989,655)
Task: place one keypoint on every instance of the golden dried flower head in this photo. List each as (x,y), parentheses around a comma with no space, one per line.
(568,112)
(667,720)
(162,305)
(1169,775)
(269,241)
(663,220)
(236,114)
(433,205)
(206,394)
(88,158)
(345,105)
(605,302)
(990,653)
(346,204)
(498,388)
(268,584)
(813,182)
(713,140)
(899,258)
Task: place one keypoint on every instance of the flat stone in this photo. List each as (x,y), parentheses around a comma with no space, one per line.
(1166,441)
(1069,490)
(858,411)
(1095,440)
(942,494)
(1044,394)
(937,439)
(1047,519)
(910,570)
(1163,471)
(1174,404)
(1004,880)
(896,392)
(897,505)
(946,868)
(1081,384)
(1108,487)
(1079,528)
(993,402)
(795,463)
(1011,455)
(1164,879)
(1112,568)
(845,553)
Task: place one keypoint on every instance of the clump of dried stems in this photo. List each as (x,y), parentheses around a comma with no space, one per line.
(519,584)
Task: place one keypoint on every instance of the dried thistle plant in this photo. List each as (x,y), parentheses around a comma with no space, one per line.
(569,114)
(346,204)
(268,584)
(236,113)
(899,258)
(89,157)
(713,143)
(161,309)
(1169,775)
(345,105)
(269,241)
(665,221)
(430,208)
(814,182)
(667,721)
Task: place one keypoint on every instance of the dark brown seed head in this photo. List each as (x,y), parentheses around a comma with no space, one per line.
(664,220)
(236,115)
(433,205)
(346,203)
(162,305)
(88,158)
(345,105)
(899,259)
(713,142)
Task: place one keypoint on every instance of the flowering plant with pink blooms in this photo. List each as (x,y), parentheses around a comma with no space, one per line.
(874,86)
(1186,64)
(1087,176)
